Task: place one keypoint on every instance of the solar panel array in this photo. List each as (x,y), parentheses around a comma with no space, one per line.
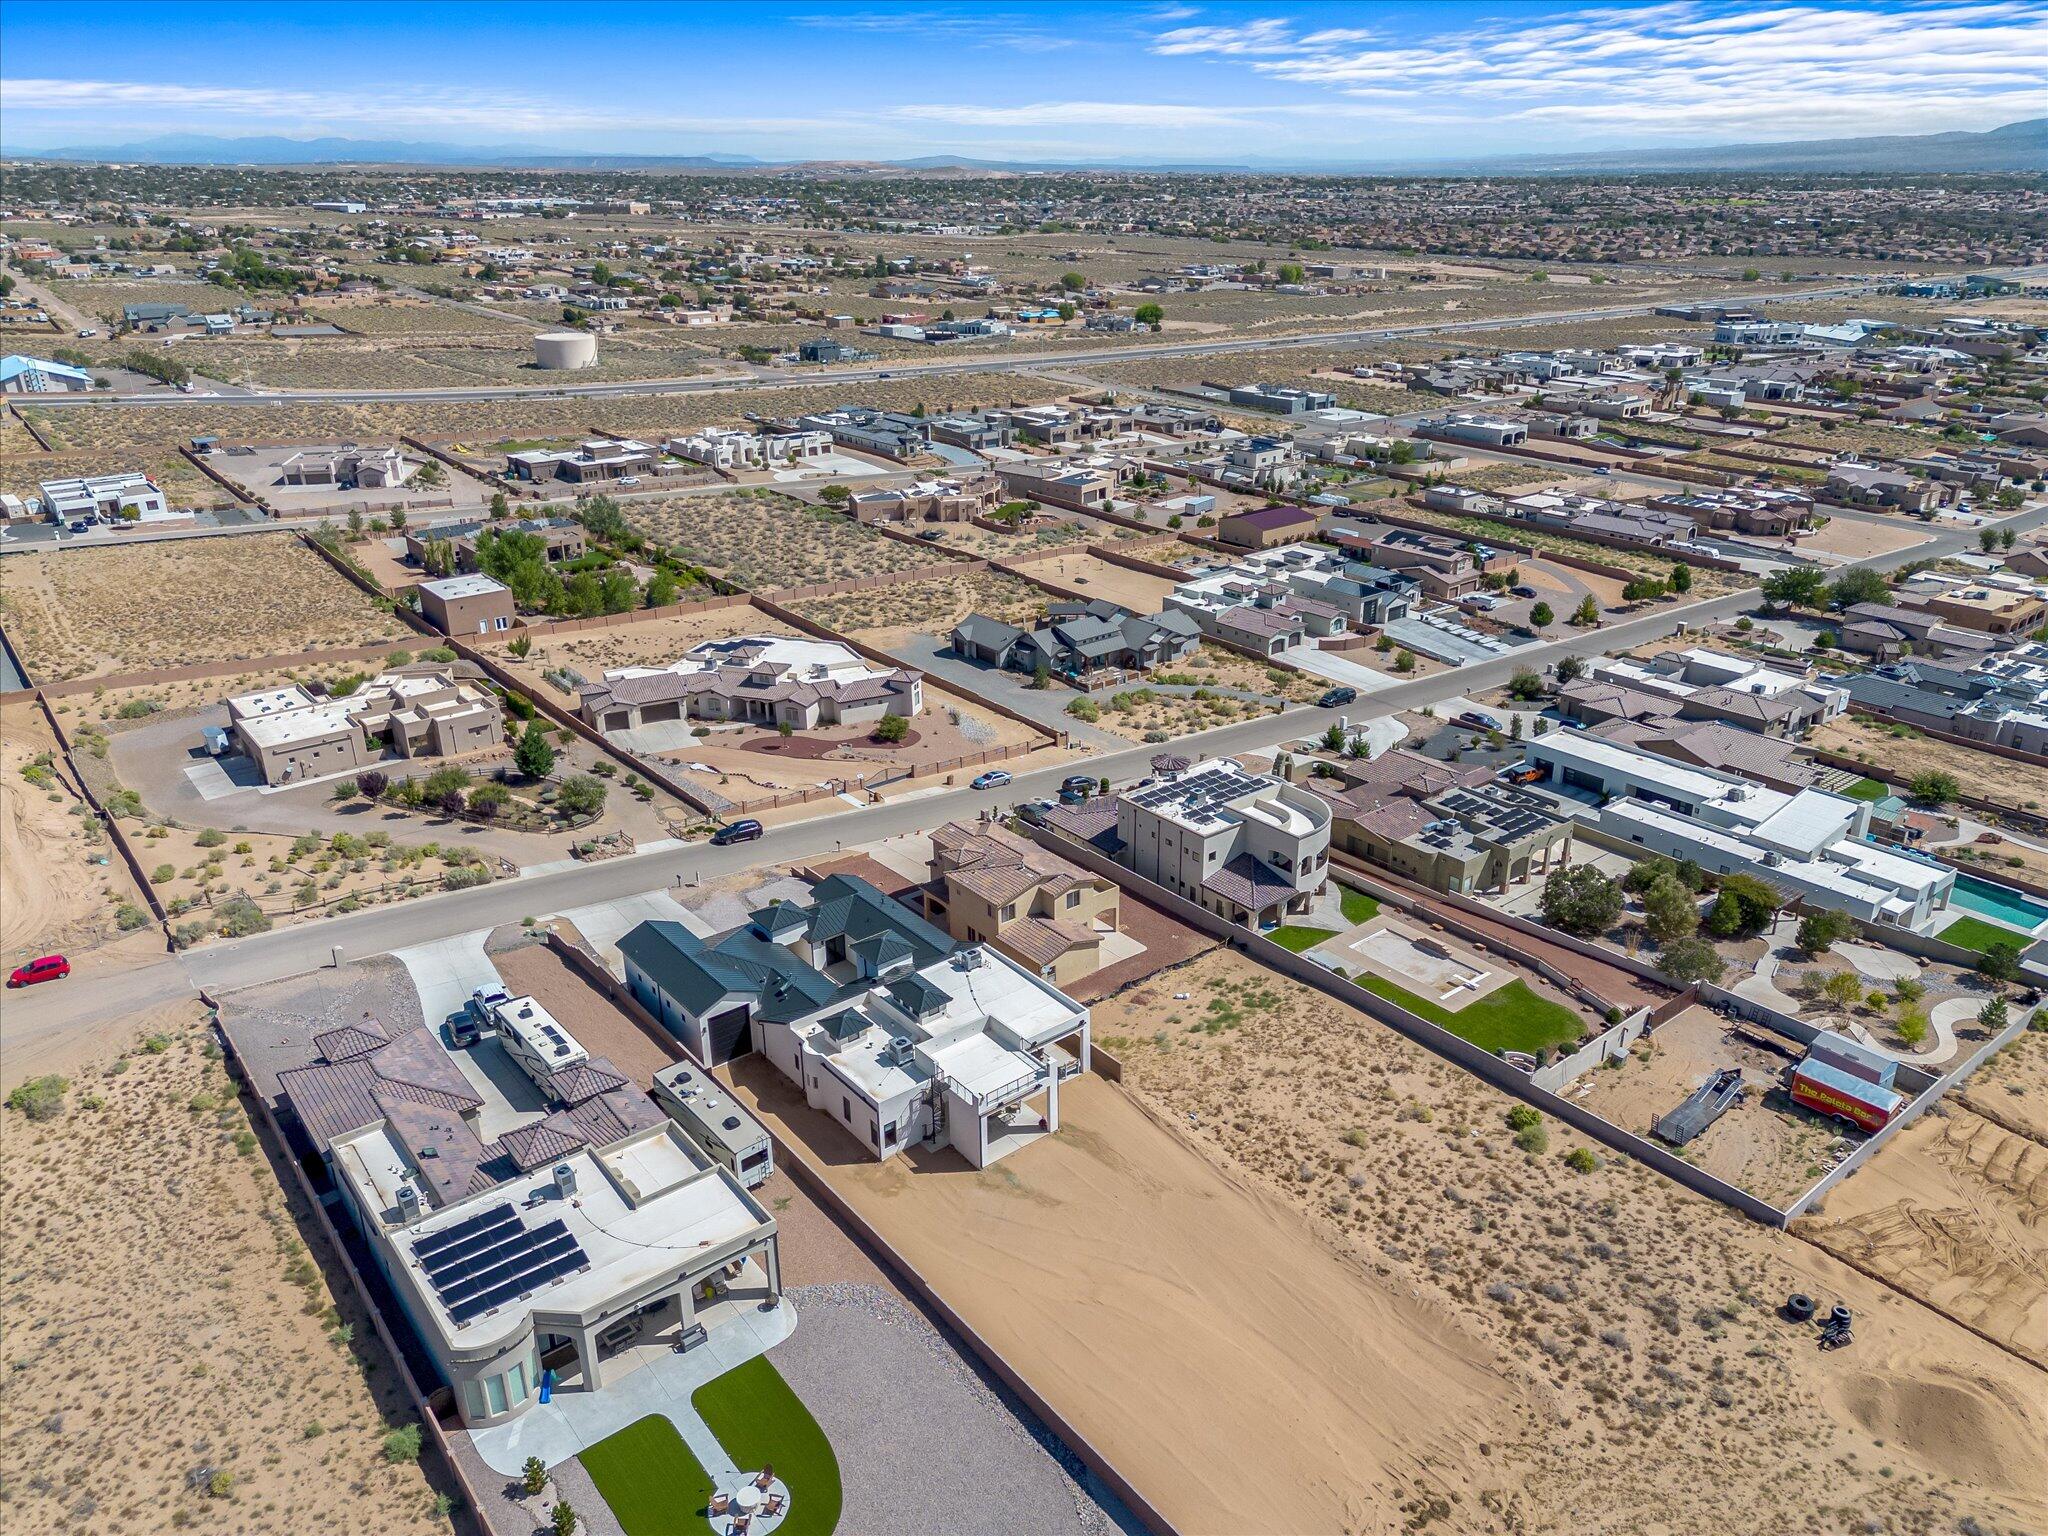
(479,1264)
(1505,811)
(1201,796)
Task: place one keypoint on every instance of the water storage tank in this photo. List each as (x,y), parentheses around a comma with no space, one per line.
(565,349)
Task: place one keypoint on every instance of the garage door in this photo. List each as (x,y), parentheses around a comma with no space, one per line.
(728,1035)
(655,713)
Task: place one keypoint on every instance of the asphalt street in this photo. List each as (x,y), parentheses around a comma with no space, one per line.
(35,1015)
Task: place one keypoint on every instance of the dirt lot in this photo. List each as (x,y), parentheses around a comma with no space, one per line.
(887,616)
(1854,540)
(1764,1144)
(1650,1384)
(62,887)
(167,1324)
(151,606)
(1100,578)
(1954,1211)
(1042,533)
(1898,753)
(765,541)
(1188,1324)
(2012,1087)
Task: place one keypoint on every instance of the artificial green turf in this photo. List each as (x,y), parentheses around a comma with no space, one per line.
(1358,906)
(1975,933)
(654,1486)
(761,1422)
(1867,789)
(1299,939)
(1510,1018)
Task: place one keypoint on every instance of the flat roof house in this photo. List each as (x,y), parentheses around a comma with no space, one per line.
(1810,843)
(421,711)
(596,461)
(348,468)
(885,1024)
(1280,400)
(770,680)
(549,1244)
(1249,847)
(37,376)
(108,498)
(1072,487)
(467,605)
(890,434)
(952,500)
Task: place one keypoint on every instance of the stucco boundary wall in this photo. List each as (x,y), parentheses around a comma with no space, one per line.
(799,1167)
(30,427)
(1696,473)
(110,823)
(135,534)
(430,1419)
(2031,759)
(363,584)
(245,498)
(1460,1052)
(1610,1044)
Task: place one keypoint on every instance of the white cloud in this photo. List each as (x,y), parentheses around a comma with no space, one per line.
(1686,68)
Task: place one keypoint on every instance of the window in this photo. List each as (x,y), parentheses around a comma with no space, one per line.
(1010,912)
(846,1110)
(515,1383)
(494,1390)
(1073,898)
(502,623)
(473,1398)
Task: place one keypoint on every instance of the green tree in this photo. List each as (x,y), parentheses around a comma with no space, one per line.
(1580,900)
(1820,929)
(1993,1016)
(1526,685)
(1668,912)
(1290,272)
(1588,612)
(562,1520)
(581,795)
(1073,282)
(1853,587)
(1798,586)
(1911,1025)
(534,755)
(1691,960)
(1569,668)
(661,589)
(891,728)
(1681,577)
(1744,904)
(2000,962)
(617,592)
(520,561)
(430,475)
(1933,788)
(533,1477)
(1149,314)
(1842,989)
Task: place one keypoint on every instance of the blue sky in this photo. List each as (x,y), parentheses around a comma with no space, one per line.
(1155,81)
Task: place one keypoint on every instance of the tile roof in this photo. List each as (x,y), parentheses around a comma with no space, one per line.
(335,1097)
(1249,882)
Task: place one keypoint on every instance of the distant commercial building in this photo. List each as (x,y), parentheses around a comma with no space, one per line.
(21,375)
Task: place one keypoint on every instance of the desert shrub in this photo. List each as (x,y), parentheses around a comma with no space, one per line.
(238,915)
(128,917)
(40,1098)
(581,795)
(464,878)
(1581,1160)
(137,709)
(212,837)
(372,784)
(402,1444)
(891,728)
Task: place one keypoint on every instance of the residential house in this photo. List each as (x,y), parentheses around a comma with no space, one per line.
(1449,827)
(889,434)
(1252,848)
(1280,400)
(563,539)
(130,498)
(990,886)
(1865,485)
(467,605)
(596,461)
(1267,527)
(770,680)
(1080,639)
(1717,685)
(1076,488)
(953,500)
(292,734)
(349,468)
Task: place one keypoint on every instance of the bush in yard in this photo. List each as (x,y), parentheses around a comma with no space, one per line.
(40,1098)
(1588,612)
(1569,668)
(1819,930)
(1580,900)
(1668,911)
(402,1444)
(238,915)
(1581,1159)
(1912,1026)
(128,917)
(891,728)
(563,1521)
(1404,660)
(465,877)
(487,799)
(439,784)
(1085,709)
(372,784)
(533,754)
(1691,960)
(533,1477)
(1842,989)
(581,795)
(1533,1139)
(450,802)
(521,646)
(1525,685)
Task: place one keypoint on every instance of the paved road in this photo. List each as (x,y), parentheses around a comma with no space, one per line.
(984,363)
(291,951)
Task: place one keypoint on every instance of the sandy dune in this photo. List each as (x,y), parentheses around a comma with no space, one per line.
(1235,1369)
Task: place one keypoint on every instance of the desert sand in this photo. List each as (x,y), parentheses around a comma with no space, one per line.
(55,893)
(1637,1322)
(1234,1369)
(163,1318)
(1953,1211)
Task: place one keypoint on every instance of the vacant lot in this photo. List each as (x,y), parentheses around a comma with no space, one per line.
(765,542)
(2012,1087)
(1955,1212)
(98,612)
(1096,577)
(62,888)
(1634,1313)
(886,616)
(1135,1285)
(176,1358)
(1898,753)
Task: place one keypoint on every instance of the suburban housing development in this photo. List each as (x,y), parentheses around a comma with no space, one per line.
(755,679)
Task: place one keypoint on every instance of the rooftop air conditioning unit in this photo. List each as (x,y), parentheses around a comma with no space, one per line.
(899,1050)
(971,959)
(410,1206)
(565,1180)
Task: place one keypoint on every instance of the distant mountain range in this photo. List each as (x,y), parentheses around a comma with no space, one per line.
(2016,147)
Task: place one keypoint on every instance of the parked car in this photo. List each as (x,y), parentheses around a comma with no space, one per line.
(468,1026)
(1478,720)
(629,480)
(1086,783)
(1523,591)
(995,778)
(80,524)
(1332,697)
(1035,811)
(1602,469)
(932,535)
(87,333)
(48,968)
(744,830)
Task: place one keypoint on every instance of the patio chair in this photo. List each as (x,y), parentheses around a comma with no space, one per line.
(766,1480)
(720,1502)
(774,1505)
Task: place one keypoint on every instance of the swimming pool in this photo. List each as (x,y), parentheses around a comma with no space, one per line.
(2001,902)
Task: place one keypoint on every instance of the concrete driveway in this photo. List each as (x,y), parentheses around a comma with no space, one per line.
(446,971)
(1338,669)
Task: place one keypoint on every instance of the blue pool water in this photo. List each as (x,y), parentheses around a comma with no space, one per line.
(1998,901)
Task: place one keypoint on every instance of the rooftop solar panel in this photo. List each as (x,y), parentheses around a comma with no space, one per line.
(447,1237)
(484,1262)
